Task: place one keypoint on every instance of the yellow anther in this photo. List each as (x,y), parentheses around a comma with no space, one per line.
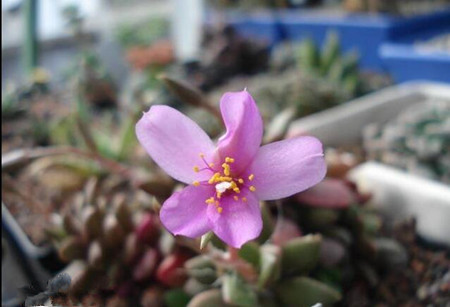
(202,155)
(196,169)
(252,188)
(251,177)
(219,209)
(219,195)
(213,178)
(224,178)
(210,200)
(236,198)
(211,164)
(244,199)
(226,169)
(233,185)
(217,203)
(241,181)
(229,160)
(196,183)
(237,190)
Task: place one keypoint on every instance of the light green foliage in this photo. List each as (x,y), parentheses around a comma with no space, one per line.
(417,140)
(142,34)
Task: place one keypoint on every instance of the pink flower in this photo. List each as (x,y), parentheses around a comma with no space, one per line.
(226,181)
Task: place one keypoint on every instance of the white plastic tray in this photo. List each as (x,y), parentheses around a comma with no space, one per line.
(398,194)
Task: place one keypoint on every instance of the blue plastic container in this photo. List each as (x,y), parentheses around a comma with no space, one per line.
(356,32)
(362,32)
(406,60)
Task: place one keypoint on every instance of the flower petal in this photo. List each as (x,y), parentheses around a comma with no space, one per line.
(244,129)
(239,221)
(287,167)
(174,142)
(185,212)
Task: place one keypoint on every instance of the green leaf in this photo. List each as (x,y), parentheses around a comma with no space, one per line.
(250,253)
(202,269)
(268,223)
(306,292)
(270,268)
(350,63)
(309,56)
(321,218)
(206,238)
(279,124)
(208,298)
(176,298)
(330,52)
(300,255)
(235,291)
(127,139)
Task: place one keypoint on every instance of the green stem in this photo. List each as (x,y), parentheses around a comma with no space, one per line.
(30,45)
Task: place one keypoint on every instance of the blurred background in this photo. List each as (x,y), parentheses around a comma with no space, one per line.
(369,78)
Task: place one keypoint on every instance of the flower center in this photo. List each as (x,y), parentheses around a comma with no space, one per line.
(224,182)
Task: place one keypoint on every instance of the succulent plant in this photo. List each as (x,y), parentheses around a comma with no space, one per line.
(123,255)
(329,242)
(417,140)
(302,80)
(330,64)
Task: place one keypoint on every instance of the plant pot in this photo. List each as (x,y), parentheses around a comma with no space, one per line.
(403,195)
(364,32)
(23,264)
(409,57)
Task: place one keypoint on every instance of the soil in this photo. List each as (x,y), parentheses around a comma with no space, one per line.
(424,282)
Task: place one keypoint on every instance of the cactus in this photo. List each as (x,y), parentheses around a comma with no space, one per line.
(417,140)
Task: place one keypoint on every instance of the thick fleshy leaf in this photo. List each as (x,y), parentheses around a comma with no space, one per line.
(185,212)
(330,193)
(244,129)
(239,221)
(174,142)
(287,167)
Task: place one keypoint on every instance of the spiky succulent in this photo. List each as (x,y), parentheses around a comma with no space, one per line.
(417,140)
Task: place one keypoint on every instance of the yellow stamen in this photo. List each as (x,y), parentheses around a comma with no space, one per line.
(251,177)
(213,178)
(211,164)
(244,199)
(196,169)
(196,183)
(224,178)
(219,209)
(229,160)
(217,203)
(210,200)
(252,188)
(202,155)
(219,195)
(241,181)
(226,169)
(237,190)
(236,198)
(233,185)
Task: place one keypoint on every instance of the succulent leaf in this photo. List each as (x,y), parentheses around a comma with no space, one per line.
(306,292)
